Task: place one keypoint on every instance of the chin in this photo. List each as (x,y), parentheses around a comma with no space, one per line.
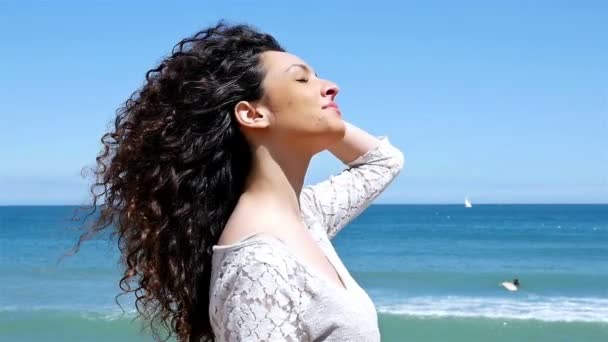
(339,129)
(335,133)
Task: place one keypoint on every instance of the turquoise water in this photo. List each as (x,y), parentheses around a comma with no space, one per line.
(432,271)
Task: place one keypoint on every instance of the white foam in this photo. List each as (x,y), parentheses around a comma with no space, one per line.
(109,316)
(551,309)
(99,313)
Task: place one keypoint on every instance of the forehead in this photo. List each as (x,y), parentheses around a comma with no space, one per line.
(276,62)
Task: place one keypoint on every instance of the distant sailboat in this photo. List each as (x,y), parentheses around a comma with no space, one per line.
(467,203)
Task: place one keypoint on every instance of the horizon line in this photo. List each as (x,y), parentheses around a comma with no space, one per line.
(459,204)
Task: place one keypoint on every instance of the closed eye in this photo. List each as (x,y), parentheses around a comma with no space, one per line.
(302,80)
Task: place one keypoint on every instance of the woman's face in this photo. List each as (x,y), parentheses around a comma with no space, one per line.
(300,106)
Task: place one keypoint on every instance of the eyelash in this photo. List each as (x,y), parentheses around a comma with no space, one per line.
(304,80)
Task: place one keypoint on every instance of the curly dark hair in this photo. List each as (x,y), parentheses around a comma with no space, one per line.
(173,170)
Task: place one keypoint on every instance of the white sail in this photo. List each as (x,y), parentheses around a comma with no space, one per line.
(467,203)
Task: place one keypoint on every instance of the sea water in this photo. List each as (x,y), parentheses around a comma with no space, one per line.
(433,271)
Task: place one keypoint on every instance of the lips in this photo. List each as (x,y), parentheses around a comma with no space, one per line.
(334,106)
(331,105)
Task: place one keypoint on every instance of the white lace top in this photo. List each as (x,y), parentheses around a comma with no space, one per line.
(259,289)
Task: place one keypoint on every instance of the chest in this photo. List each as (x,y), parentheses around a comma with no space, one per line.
(354,293)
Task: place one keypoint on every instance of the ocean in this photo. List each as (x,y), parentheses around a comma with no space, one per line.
(433,272)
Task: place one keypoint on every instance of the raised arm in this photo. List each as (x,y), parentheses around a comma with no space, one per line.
(372,164)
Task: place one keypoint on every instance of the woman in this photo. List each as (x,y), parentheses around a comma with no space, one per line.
(204,176)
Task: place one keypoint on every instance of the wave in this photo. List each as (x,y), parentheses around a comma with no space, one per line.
(532,307)
(550,309)
(94,314)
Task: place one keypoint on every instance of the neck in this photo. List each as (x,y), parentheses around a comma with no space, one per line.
(277,178)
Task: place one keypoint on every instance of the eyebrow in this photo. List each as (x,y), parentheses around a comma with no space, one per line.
(303,66)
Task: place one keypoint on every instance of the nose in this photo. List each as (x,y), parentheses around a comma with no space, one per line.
(330,89)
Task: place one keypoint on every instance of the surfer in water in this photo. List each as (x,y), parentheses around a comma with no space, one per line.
(511,286)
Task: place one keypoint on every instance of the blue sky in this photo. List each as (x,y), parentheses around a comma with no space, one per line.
(500,101)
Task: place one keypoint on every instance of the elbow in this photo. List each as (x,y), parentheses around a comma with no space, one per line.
(400,160)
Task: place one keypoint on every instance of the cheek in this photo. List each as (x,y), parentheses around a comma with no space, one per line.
(305,120)
(297,112)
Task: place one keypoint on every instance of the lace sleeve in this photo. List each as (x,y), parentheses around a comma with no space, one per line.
(342,197)
(261,303)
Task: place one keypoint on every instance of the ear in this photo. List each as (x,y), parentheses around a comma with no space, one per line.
(250,116)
